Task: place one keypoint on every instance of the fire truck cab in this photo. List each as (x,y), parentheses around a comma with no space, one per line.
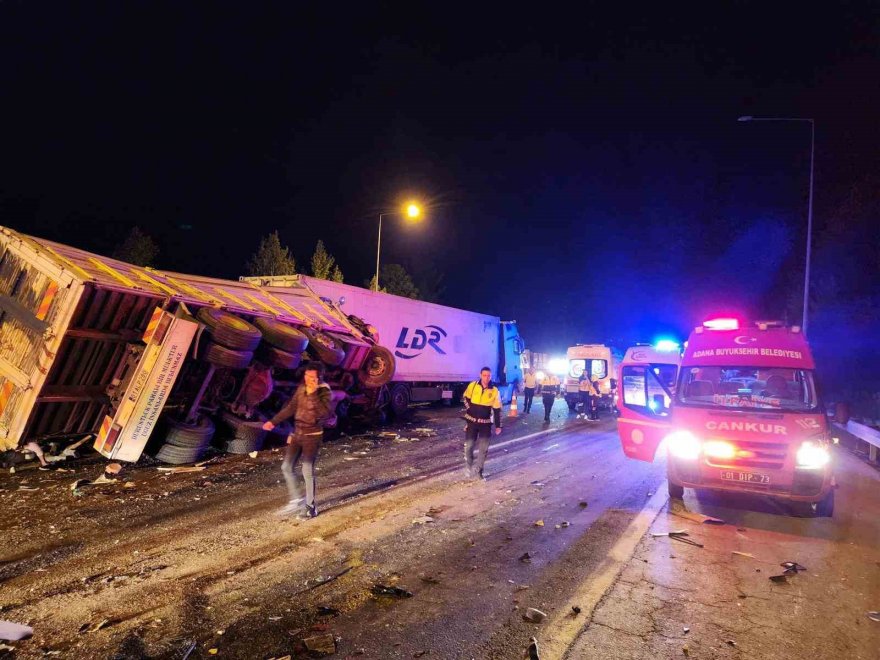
(739,411)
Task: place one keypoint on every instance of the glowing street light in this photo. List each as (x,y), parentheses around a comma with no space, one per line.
(411,211)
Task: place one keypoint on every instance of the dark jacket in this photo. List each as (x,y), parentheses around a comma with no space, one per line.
(309,411)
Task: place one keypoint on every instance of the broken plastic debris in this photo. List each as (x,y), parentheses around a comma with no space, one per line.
(323,644)
(526,558)
(792,567)
(539,523)
(778,578)
(874,616)
(742,554)
(532,650)
(422,520)
(696,517)
(113,468)
(253,454)
(730,642)
(212,651)
(686,630)
(397,592)
(12,632)
(178,470)
(534,615)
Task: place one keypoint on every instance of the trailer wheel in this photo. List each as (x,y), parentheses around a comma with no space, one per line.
(178,455)
(675,491)
(275,357)
(189,436)
(222,356)
(325,347)
(281,335)
(243,436)
(400,398)
(229,330)
(378,368)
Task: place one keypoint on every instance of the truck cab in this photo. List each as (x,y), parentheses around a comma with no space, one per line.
(742,415)
(596,361)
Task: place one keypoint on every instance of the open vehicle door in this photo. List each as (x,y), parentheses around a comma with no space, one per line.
(645,390)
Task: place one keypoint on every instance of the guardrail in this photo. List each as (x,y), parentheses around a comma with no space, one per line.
(867,433)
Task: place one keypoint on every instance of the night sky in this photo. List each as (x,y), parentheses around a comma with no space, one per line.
(584,167)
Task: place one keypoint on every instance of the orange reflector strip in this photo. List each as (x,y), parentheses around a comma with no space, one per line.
(46,303)
(5,393)
(152,325)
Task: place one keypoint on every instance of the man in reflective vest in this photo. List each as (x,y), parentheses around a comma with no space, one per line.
(482,402)
(585,390)
(530,383)
(549,390)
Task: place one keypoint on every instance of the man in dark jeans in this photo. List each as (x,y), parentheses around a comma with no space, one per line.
(310,407)
(530,381)
(482,403)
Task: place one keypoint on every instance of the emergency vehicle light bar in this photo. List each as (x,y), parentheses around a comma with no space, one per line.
(721,324)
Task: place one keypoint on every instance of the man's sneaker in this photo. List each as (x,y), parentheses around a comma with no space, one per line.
(308,512)
(291,507)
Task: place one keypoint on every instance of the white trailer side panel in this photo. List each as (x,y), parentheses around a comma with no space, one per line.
(431,343)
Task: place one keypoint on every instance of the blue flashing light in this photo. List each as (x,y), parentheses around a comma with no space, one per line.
(667,346)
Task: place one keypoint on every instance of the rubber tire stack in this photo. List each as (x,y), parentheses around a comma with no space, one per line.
(325,347)
(185,443)
(241,436)
(233,340)
(283,345)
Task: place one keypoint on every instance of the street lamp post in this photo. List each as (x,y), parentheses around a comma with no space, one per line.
(809,205)
(412,211)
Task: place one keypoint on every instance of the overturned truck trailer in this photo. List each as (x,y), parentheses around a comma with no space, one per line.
(92,345)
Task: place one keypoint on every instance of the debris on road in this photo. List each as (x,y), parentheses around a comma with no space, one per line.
(730,642)
(79,483)
(682,537)
(874,616)
(696,517)
(182,469)
(322,644)
(563,524)
(385,590)
(742,554)
(95,627)
(659,534)
(113,468)
(534,615)
(583,505)
(323,610)
(686,630)
(778,578)
(422,520)
(575,610)
(253,454)
(526,558)
(429,579)
(539,523)
(532,650)
(792,567)
(13,632)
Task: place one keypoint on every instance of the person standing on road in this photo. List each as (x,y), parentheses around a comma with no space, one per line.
(482,403)
(585,388)
(595,397)
(549,390)
(309,407)
(530,383)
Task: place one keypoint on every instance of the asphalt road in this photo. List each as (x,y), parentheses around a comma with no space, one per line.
(155,565)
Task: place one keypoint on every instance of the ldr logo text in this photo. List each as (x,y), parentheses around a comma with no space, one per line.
(417,340)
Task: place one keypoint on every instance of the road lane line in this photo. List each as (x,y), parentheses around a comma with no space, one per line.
(562,628)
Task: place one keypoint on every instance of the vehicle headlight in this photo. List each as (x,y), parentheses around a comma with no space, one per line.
(719,449)
(683,444)
(812,455)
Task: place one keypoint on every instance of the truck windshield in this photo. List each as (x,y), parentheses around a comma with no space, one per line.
(748,388)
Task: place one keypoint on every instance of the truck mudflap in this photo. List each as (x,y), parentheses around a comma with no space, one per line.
(124,433)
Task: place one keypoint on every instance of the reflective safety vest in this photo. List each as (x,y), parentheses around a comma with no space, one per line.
(530,381)
(482,403)
(584,385)
(550,385)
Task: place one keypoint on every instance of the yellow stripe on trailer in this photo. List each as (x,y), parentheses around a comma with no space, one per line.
(156,283)
(261,303)
(5,393)
(46,302)
(112,272)
(68,263)
(238,301)
(193,291)
(283,305)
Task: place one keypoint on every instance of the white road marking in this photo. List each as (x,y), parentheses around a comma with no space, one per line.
(563,629)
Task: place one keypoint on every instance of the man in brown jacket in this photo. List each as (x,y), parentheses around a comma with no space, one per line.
(309,407)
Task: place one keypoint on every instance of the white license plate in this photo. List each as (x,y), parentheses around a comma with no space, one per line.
(745,477)
(446,394)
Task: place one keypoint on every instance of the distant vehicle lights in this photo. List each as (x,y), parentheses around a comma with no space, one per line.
(558,366)
(667,346)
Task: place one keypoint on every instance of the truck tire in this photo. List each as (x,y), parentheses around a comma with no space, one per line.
(325,347)
(281,335)
(675,491)
(178,455)
(378,369)
(275,357)
(222,356)
(400,398)
(242,436)
(189,436)
(229,330)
